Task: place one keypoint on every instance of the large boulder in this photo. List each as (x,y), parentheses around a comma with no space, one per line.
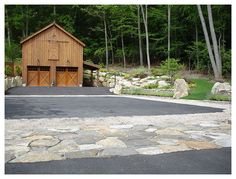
(126,83)
(7,84)
(165,77)
(101,79)
(221,88)
(162,84)
(13,82)
(18,80)
(180,88)
(135,79)
(117,89)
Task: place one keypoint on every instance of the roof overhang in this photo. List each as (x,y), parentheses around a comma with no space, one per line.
(47,27)
(91,66)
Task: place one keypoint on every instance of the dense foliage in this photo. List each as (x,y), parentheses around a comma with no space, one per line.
(120,22)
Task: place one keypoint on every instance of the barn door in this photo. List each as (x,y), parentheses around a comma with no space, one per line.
(32,76)
(67,76)
(44,76)
(72,76)
(61,76)
(38,76)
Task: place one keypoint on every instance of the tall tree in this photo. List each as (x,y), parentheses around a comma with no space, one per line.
(145,21)
(214,41)
(105,33)
(215,60)
(168,31)
(8,27)
(140,38)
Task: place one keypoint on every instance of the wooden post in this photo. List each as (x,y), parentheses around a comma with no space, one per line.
(97,76)
(91,77)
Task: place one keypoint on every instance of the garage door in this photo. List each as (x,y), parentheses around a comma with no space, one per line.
(67,76)
(38,76)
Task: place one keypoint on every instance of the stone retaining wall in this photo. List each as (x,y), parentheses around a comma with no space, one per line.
(11,82)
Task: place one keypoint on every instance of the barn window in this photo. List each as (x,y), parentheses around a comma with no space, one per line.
(44,68)
(72,69)
(61,69)
(32,68)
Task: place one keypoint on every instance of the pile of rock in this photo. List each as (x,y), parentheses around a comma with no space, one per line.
(11,82)
(111,80)
(117,83)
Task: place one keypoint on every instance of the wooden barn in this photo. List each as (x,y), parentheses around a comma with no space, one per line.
(53,57)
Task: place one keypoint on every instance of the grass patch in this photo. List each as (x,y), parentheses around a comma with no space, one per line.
(147,92)
(139,72)
(219,97)
(201,89)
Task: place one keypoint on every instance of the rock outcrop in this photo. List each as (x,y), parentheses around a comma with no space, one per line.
(180,88)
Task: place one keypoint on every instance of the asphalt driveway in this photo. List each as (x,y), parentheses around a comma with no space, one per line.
(103,106)
(59,91)
(216,161)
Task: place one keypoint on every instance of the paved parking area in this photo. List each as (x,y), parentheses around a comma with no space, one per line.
(59,91)
(214,161)
(60,131)
(90,106)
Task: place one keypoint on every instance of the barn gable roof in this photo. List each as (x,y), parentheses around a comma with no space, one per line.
(47,27)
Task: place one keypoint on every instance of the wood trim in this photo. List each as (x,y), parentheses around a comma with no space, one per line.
(47,27)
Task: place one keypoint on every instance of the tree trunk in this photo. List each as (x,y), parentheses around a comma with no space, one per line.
(27,21)
(214,41)
(197,51)
(112,52)
(54,12)
(168,32)
(8,27)
(123,49)
(146,31)
(23,24)
(214,67)
(105,30)
(140,39)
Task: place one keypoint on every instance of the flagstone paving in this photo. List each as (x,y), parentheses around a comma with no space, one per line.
(34,140)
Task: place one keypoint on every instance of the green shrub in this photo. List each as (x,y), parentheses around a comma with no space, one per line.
(140,72)
(127,76)
(12,51)
(226,62)
(219,97)
(8,70)
(102,69)
(151,86)
(18,71)
(147,92)
(171,67)
(156,71)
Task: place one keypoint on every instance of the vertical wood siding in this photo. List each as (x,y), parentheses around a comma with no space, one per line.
(35,52)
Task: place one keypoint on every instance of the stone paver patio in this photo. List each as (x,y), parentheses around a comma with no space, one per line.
(34,140)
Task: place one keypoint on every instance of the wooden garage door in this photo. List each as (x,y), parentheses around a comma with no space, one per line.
(67,76)
(38,76)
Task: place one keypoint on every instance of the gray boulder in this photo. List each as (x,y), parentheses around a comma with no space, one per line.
(180,88)
(162,84)
(7,84)
(13,82)
(101,79)
(18,80)
(117,89)
(221,88)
